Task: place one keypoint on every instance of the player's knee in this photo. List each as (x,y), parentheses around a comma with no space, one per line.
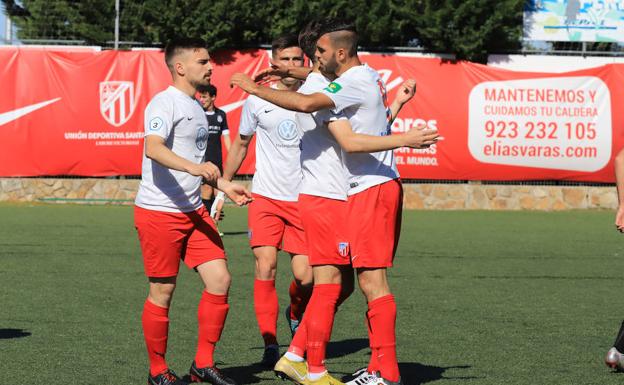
(161,295)
(223,281)
(303,275)
(266,267)
(367,285)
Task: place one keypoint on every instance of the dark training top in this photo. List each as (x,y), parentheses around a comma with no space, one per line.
(217,125)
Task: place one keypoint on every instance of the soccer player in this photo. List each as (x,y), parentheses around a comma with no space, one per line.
(218,132)
(325,189)
(170,219)
(273,220)
(375,193)
(615,355)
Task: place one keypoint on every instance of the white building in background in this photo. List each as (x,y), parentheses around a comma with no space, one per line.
(549,63)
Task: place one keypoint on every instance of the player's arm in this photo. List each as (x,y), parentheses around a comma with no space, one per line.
(619,182)
(278,70)
(225,133)
(226,140)
(236,192)
(156,150)
(405,94)
(353,142)
(289,100)
(236,155)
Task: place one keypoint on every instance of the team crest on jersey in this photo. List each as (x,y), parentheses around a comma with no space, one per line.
(202,138)
(219,119)
(287,129)
(117,102)
(333,87)
(343,248)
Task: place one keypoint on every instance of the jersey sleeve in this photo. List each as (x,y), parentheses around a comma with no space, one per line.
(225,129)
(344,93)
(248,120)
(158,118)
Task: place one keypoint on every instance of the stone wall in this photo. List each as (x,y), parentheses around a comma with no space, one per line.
(417,196)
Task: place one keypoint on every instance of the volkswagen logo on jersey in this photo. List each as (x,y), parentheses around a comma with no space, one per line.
(202,138)
(287,129)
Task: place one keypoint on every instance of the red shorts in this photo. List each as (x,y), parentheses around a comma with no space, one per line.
(168,237)
(374,222)
(276,223)
(325,225)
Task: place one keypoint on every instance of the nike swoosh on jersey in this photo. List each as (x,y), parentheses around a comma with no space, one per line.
(267,111)
(9,116)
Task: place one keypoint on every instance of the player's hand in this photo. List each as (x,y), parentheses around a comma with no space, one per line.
(216,211)
(243,82)
(206,170)
(406,91)
(619,219)
(276,71)
(420,137)
(237,193)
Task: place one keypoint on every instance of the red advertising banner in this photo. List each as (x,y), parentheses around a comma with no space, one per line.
(80,112)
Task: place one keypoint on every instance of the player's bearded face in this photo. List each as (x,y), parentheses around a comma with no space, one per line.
(198,68)
(326,55)
(291,56)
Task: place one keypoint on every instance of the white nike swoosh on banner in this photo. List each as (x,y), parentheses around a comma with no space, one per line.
(10,116)
(232,106)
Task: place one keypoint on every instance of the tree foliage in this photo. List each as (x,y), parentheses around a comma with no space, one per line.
(468,28)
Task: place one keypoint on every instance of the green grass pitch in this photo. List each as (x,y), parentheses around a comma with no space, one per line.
(483,298)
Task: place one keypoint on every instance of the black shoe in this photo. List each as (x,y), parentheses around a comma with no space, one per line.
(209,374)
(270,356)
(167,377)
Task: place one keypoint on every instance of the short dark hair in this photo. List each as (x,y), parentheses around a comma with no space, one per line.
(210,89)
(176,46)
(342,34)
(284,41)
(308,37)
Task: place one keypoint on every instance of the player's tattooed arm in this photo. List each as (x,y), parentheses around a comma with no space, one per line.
(619,182)
(289,100)
(236,155)
(405,94)
(156,150)
(353,142)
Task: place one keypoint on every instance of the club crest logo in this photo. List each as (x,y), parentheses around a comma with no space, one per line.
(202,138)
(343,248)
(287,129)
(117,101)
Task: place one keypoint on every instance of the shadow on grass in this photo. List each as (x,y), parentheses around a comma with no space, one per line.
(241,374)
(345,347)
(235,232)
(414,373)
(6,334)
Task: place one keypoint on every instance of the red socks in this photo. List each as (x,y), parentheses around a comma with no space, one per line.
(211,314)
(266,307)
(319,320)
(155,322)
(299,298)
(382,322)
